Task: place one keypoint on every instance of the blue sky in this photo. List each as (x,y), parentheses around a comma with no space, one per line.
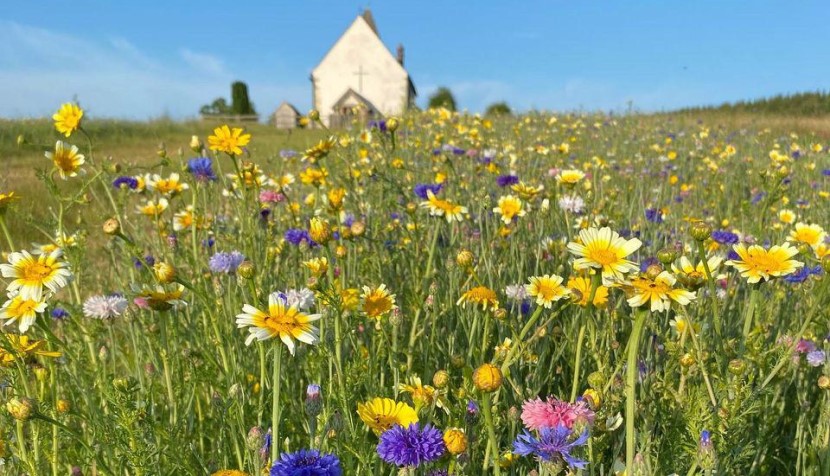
(147,58)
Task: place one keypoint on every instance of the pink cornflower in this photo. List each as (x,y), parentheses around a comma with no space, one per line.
(270,196)
(538,414)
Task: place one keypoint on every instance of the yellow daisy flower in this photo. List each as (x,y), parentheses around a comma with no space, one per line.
(582,286)
(443,208)
(547,289)
(755,263)
(33,274)
(786,216)
(23,346)
(66,158)
(812,235)
(527,192)
(479,295)
(68,118)
(509,208)
(381,414)
(6,199)
(167,186)
(184,219)
(422,395)
(23,310)
(314,176)
(161,298)
(377,302)
(228,141)
(694,276)
(152,208)
(317,266)
(283,321)
(659,291)
(569,177)
(604,249)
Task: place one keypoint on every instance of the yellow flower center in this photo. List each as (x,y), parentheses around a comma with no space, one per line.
(22,307)
(604,257)
(64,160)
(284,323)
(764,262)
(376,305)
(36,272)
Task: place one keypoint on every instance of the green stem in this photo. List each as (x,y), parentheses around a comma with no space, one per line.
(491,434)
(514,348)
(275,406)
(577,360)
(630,387)
(701,253)
(6,233)
(750,311)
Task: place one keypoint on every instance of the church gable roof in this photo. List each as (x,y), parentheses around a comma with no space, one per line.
(352,94)
(365,20)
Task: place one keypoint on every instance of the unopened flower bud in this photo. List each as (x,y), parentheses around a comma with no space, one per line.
(737,367)
(313,400)
(21,140)
(700,231)
(396,319)
(41,373)
(319,231)
(593,398)
(596,380)
(246,269)
(824,382)
(112,227)
(340,251)
(458,361)
(487,378)
(392,124)
(63,406)
(464,258)
(195,144)
(358,228)
(471,417)
(500,313)
(667,256)
(20,408)
(687,360)
(165,272)
(653,271)
(441,378)
(255,437)
(706,456)
(314,115)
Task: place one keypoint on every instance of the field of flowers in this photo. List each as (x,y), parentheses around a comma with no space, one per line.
(434,294)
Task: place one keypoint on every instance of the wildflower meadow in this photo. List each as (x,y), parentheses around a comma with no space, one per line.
(432,294)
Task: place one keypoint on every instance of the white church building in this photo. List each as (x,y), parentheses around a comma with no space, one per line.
(359,78)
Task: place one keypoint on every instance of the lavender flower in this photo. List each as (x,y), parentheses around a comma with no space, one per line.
(226,263)
(816,358)
(654,215)
(59,314)
(507,180)
(307,463)
(125,182)
(105,307)
(411,446)
(553,445)
(725,237)
(296,236)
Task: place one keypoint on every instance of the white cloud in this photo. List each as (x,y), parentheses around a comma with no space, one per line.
(40,69)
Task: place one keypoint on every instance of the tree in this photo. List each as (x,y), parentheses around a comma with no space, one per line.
(218,107)
(498,109)
(240,104)
(442,97)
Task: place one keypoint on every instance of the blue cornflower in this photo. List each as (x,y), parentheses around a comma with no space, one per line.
(296,236)
(411,446)
(758,197)
(816,358)
(552,445)
(226,263)
(725,237)
(826,172)
(507,180)
(654,215)
(422,188)
(307,463)
(379,125)
(59,314)
(125,182)
(733,255)
(803,274)
(201,168)
(147,259)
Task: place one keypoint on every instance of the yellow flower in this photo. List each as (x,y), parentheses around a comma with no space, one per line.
(320,150)
(756,263)
(604,249)
(317,266)
(349,298)
(443,208)
(659,291)
(480,295)
(229,472)
(569,177)
(786,216)
(509,207)
(335,198)
(23,310)
(547,289)
(812,235)
(6,199)
(319,231)
(583,285)
(68,118)
(694,276)
(153,209)
(183,220)
(66,158)
(167,186)
(422,395)
(286,322)
(162,298)
(455,440)
(377,302)
(228,141)
(487,378)
(24,347)
(527,192)
(33,274)
(381,414)
(314,176)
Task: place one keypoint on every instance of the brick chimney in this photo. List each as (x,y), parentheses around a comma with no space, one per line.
(400,54)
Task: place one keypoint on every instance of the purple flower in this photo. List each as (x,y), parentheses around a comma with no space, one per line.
(826,172)
(307,463)
(226,263)
(59,314)
(805,346)
(288,153)
(816,358)
(201,168)
(654,215)
(725,237)
(125,182)
(422,188)
(379,125)
(553,445)
(296,236)
(411,446)
(651,260)
(507,180)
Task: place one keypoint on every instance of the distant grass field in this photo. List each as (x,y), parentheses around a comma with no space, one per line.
(125,143)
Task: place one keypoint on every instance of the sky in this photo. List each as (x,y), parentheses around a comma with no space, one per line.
(151,58)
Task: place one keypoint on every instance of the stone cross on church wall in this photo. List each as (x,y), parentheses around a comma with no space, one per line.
(360,74)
